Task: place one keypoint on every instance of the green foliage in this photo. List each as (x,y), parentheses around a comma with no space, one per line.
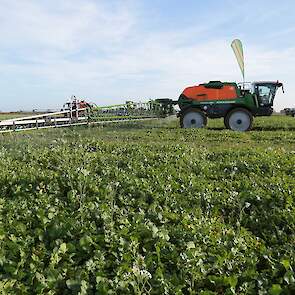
(149,209)
(6,116)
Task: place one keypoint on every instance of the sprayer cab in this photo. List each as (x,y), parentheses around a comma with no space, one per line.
(265,92)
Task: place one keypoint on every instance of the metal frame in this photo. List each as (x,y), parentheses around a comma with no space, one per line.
(75,116)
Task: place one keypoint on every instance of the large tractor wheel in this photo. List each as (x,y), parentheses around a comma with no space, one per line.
(193,118)
(239,119)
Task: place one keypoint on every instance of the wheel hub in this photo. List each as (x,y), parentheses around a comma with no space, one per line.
(239,121)
(194,119)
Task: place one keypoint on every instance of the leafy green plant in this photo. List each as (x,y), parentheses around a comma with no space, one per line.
(148,209)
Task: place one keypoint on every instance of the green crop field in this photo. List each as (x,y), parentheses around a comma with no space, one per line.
(6,116)
(149,208)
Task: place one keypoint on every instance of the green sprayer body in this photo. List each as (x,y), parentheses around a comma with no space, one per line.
(216,99)
(236,103)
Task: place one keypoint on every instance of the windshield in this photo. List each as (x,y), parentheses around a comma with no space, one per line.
(266,93)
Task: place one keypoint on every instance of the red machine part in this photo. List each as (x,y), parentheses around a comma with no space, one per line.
(202,93)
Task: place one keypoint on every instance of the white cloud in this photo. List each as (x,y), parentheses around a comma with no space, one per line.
(97,50)
(63,25)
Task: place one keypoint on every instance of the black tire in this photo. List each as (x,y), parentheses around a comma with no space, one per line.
(239,119)
(193,118)
(225,121)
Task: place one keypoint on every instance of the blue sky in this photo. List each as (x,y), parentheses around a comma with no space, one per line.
(110,51)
